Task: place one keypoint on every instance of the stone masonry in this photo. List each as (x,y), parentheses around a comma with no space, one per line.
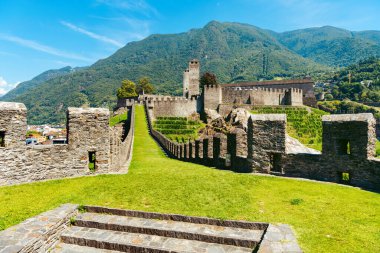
(88,131)
(102,229)
(347,156)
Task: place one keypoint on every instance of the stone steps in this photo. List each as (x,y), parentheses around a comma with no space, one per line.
(135,242)
(73,248)
(73,229)
(108,230)
(176,229)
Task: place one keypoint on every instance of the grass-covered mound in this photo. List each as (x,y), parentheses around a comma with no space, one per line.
(325,217)
(179,129)
(303,123)
(117,119)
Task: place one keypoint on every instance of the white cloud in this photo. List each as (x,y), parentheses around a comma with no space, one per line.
(140,6)
(92,35)
(138,28)
(43,48)
(5,86)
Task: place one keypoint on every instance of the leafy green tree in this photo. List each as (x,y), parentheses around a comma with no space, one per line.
(208,78)
(329,97)
(127,89)
(144,86)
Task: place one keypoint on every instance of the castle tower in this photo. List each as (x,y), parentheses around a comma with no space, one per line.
(191,79)
(186,79)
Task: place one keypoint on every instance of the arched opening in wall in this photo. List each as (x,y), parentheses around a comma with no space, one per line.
(275,163)
(92,160)
(344,147)
(2,138)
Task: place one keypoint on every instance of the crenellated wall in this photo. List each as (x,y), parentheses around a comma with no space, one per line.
(223,99)
(172,106)
(263,148)
(87,131)
(121,140)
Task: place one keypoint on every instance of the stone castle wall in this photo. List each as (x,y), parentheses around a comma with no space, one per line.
(223,99)
(172,106)
(306,85)
(121,140)
(88,131)
(262,148)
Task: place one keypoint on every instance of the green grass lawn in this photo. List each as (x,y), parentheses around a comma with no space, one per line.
(117,119)
(325,217)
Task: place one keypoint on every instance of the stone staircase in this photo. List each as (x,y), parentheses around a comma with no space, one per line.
(102,229)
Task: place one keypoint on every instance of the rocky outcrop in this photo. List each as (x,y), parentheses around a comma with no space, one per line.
(239,118)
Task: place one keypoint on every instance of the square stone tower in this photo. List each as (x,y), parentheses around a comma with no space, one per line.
(350,136)
(191,79)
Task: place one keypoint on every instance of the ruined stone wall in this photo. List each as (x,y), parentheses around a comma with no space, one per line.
(121,139)
(347,156)
(266,140)
(263,148)
(13,123)
(88,131)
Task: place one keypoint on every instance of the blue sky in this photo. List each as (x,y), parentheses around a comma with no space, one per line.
(37,35)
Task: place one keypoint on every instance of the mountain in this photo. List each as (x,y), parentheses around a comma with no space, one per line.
(332,46)
(233,51)
(23,87)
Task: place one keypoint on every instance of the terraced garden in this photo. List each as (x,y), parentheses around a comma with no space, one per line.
(178,129)
(304,123)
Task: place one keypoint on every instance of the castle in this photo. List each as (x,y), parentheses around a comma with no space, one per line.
(348,145)
(262,145)
(224,97)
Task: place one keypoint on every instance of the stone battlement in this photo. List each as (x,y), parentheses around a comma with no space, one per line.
(277,90)
(348,153)
(89,140)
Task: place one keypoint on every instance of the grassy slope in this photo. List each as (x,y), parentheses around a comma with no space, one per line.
(331,218)
(117,119)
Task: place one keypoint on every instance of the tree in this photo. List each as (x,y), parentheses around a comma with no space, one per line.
(144,86)
(127,89)
(208,79)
